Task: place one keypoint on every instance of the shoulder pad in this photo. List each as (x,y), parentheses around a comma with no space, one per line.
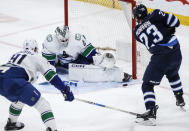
(49,38)
(156,10)
(84,36)
(78,36)
(159,12)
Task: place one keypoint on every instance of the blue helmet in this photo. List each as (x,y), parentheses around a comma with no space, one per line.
(140,12)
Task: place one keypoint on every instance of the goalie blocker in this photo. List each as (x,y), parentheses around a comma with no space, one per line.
(103,70)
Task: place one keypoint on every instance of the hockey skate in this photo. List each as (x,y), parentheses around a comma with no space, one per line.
(127,77)
(13,126)
(49,129)
(148,118)
(179,99)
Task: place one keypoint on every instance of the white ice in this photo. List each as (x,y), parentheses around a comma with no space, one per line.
(20,19)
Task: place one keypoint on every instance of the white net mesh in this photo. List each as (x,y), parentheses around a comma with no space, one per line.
(104,24)
(101,25)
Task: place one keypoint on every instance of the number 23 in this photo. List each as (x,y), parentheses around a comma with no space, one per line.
(155,32)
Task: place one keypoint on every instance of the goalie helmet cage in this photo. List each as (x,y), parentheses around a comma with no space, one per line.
(131,3)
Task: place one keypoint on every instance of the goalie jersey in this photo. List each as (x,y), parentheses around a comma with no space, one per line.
(156,32)
(77,47)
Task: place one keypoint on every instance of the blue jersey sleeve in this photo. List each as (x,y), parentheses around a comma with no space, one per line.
(169,20)
(57,82)
(89,52)
(54,79)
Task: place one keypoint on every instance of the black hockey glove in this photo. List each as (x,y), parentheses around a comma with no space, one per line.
(67,93)
(171,30)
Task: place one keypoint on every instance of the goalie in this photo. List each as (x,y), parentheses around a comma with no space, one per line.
(73,53)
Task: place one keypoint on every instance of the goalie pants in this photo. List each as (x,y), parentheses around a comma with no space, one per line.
(160,65)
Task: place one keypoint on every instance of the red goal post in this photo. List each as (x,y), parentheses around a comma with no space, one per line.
(134,50)
(66,12)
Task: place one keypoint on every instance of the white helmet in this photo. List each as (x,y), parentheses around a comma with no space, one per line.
(62,33)
(31,45)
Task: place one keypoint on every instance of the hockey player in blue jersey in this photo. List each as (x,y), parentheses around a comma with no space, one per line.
(156,31)
(16,78)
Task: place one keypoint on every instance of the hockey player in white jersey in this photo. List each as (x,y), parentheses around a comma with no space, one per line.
(73,51)
(16,78)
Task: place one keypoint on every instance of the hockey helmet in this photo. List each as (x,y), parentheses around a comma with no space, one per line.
(140,12)
(31,45)
(62,33)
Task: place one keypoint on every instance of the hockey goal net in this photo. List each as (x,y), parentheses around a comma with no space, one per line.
(108,25)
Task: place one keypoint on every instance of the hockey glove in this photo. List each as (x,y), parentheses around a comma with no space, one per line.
(67,93)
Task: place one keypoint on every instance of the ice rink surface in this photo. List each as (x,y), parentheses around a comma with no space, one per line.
(22,19)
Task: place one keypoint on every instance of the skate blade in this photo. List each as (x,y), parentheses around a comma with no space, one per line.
(20,128)
(150,122)
(13,130)
(182,109)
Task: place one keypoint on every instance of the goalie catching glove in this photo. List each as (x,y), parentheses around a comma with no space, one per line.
(105,60)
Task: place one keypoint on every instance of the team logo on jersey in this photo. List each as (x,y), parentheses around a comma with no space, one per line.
(49,38)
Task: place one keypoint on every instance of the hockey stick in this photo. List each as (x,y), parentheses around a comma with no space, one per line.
(69,83)
(105,106)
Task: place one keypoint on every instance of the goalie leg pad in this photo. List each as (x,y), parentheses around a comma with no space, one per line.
(92,73)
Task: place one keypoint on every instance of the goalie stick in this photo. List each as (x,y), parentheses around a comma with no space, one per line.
(69,83)
(105,84)
(105,106)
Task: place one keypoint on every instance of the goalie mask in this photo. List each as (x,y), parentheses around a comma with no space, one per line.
(62,33)
(31,45)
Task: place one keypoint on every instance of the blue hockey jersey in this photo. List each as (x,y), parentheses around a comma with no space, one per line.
(156,32)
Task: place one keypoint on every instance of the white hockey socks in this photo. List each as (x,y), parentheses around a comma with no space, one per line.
(47,116)
(15,110)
